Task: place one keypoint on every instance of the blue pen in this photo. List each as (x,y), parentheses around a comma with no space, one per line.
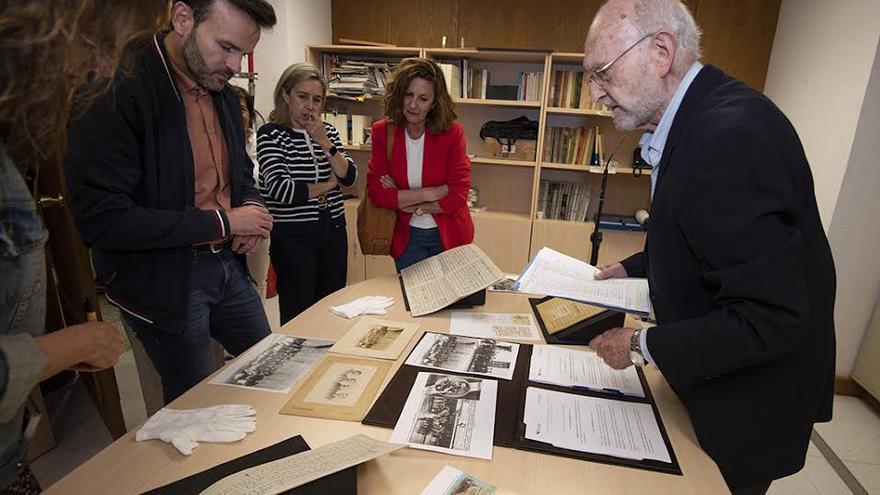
(588,389)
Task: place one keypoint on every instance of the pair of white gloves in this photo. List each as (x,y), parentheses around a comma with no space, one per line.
(367,305)
(185,428)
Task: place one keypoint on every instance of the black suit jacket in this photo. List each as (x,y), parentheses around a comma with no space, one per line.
(130,181)
(741,279)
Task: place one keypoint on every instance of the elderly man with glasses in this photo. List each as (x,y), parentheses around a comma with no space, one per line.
(741,275)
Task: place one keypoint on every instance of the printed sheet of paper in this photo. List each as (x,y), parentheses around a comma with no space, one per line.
(575,368)
(502,326)
(275,363)
(340,388)
(290,472)
(376,338)
(588,424)
(451,481)
(558,313)
(555,274)
(477,356)
(439,281)
(450,414)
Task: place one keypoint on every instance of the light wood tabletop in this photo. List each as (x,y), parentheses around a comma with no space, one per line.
(130,467)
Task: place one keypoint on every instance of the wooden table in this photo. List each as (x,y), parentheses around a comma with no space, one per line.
(129,467)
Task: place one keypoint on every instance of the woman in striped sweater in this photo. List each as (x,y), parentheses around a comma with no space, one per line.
(302,165)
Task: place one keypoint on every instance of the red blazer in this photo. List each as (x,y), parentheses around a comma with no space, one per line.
(445,162)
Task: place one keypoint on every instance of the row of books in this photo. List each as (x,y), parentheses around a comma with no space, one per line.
(354,130)
(574,146)
(348,75)
(563,201)
(465,81)
(570,89)
(529,86)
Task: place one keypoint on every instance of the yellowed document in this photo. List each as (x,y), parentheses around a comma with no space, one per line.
(340,387)
(559,314)
(439,281)
(284,474)
(375,338)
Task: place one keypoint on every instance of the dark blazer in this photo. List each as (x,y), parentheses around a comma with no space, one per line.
(130,180)
(741,279)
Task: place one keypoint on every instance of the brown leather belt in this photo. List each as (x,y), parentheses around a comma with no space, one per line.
(214,247)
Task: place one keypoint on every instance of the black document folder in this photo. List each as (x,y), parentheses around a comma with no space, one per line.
(582,332)
(509,409)
(342,483)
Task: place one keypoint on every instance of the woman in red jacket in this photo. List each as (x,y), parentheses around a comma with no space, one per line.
(429,175)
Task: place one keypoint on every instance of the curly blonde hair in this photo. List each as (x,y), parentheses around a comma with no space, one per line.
(442,113)
(54,52)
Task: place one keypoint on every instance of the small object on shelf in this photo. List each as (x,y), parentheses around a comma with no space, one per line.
(610,221)
(514,139)
(501,92)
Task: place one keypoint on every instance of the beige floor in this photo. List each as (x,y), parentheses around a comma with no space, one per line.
(853,435)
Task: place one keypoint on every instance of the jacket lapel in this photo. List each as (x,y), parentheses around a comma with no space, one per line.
(703,83)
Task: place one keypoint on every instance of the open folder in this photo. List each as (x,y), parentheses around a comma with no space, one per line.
(512,430)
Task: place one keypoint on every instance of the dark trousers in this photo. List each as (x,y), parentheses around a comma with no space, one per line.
(754,489)
(310,261)
(422,244)
(223,304)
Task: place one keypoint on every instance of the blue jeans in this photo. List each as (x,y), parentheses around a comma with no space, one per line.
(423,243)
(223,304)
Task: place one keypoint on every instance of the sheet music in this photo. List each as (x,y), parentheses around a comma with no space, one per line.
(622,429)
(502,326)
(576,368)
(555,274)
(290,472)
(439,281)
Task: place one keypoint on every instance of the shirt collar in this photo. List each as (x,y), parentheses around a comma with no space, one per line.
(652,143)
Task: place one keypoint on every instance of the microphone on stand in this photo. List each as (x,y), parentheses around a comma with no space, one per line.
(596,236)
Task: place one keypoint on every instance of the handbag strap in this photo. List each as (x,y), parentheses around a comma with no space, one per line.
(389,141)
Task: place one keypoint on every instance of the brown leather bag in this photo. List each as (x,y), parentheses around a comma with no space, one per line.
(375,225)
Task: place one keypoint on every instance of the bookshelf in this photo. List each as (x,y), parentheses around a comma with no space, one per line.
(509,229)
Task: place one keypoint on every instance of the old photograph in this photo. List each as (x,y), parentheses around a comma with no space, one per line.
(276,363)
(451,414)
(480,356)
(451,481)
(505,326)
(340,387)
(375,338)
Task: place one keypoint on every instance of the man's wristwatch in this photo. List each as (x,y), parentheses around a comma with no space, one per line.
(635,349)
(333,150)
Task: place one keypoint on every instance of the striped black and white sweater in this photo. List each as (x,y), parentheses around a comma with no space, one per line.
(289,161)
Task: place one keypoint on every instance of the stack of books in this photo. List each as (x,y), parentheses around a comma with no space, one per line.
(353,76)
(529,86)
(563,201)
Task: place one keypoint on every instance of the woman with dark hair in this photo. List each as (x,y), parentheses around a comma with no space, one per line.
(51,51)
(429,174)
(302,165)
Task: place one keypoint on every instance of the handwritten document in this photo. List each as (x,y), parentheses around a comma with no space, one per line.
(555,274)
(588,424)
(581,369)
(439,281)
(290,472)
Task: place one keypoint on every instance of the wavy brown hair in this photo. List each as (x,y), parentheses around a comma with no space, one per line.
(442,113)
(53,52)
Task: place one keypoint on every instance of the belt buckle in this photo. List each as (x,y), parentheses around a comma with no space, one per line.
(323,204)
(216,247)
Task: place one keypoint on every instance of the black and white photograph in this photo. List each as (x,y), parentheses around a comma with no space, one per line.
(451,414)
(341,385)
(379,337)
(370,337)
(276,363)
(479,356)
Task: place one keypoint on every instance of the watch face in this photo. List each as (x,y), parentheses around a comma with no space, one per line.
(636,358)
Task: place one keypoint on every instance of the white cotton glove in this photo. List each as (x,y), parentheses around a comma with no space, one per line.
(367,305)
(185,428)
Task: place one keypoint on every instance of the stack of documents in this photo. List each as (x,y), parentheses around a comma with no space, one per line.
(555,274)
(582,370)
(589,424)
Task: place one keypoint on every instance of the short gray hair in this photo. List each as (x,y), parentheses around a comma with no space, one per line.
(673,16)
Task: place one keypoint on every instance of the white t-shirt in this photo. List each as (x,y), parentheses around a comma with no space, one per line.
(415,152)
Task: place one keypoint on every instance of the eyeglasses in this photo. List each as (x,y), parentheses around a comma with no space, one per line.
(600,76)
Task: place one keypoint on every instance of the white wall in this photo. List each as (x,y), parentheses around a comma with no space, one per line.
(819,68)
(823,75)
(300,22)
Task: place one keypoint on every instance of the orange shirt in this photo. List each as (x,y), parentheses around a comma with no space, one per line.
(210,155)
